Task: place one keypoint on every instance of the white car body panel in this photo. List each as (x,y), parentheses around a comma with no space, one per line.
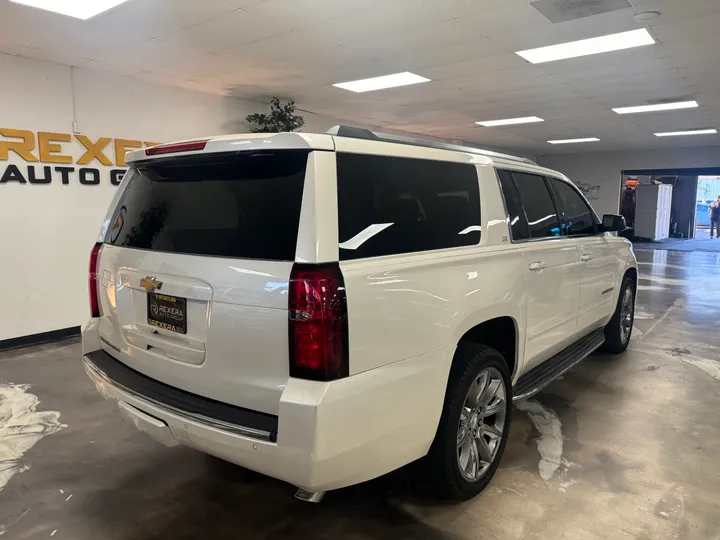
(400,309)
(598,279)
(407,314)
(318,232)
(553,294)
(330,435)
(235,349)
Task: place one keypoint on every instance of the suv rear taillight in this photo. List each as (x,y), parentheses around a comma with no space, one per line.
(318,323)
(93,281)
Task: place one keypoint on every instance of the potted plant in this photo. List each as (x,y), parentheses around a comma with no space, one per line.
(281,118)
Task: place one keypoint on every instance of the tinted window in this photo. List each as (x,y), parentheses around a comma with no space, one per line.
(578,216)
(518,223)
(242,205)
(539,207)
(389,205)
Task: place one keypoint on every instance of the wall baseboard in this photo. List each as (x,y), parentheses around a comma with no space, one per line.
(38,339)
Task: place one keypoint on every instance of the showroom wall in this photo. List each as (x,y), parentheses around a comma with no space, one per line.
(54,192)
(601,171)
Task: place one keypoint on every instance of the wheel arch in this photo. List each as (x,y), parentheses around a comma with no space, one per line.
(500,333)
(633,274)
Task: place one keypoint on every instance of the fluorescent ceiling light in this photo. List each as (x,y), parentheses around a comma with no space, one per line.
(572,141)
(658,107)
(386,81)
(81,9)
(585,47)
(510,121)
(691,132)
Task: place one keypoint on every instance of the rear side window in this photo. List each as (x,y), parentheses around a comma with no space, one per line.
(538,203)
(579,219)
(389,205)
(240,205)
(518,222)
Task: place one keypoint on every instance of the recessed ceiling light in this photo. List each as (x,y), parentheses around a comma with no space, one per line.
(510,121)
(80,9)
(379,83)
(585,47)
(572,141)
(657,107)
(690,132)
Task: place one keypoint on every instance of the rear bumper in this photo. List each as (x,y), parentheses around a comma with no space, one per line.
(328,435)
(205,411)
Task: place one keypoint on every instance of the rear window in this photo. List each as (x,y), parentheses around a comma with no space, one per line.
(239,205)
(389,205)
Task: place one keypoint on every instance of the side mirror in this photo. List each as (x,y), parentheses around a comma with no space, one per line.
(613,223)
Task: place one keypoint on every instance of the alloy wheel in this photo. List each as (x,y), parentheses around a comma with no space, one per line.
(627,312)
(481,425)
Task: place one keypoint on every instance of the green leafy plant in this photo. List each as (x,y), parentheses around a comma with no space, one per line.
(281,118)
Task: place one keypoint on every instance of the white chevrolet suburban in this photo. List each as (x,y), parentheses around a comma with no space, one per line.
(327,308)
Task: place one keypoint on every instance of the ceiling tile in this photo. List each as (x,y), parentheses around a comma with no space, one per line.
(381,22)
(438,56)
(149,54)
(23,26)
(92,41)
(158,18)
(673,11)
(516,37)
(53,55)
(489,14)
(488,64)
(311,12)
(296,49)
(228,31)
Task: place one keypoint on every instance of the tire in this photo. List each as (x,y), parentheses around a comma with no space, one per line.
(450,474)
(619,330)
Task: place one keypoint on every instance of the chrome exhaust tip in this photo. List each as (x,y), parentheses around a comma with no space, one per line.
(309,496)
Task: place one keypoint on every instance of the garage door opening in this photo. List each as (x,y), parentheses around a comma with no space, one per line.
(669,208)
(708,190)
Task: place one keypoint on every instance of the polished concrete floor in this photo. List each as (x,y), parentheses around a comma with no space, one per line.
(624,447)
(702,242)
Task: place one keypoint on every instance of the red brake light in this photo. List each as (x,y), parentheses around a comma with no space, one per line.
(318,323)
(172,148)
(93,281)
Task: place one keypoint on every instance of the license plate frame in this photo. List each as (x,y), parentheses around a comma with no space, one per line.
(167,312)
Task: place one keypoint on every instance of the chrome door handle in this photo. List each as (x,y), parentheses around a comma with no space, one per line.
(586,257)
(537,265)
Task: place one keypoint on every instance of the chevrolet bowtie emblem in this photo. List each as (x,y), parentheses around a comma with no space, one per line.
(150,284)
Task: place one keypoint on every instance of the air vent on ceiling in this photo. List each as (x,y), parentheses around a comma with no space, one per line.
(566,10)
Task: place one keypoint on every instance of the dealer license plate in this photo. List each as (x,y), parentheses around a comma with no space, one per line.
(168,312)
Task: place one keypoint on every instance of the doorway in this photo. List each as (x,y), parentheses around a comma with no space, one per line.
(688,226)
(708,189)
(658,206)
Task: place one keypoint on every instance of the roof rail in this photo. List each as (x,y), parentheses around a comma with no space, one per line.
(353,132)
